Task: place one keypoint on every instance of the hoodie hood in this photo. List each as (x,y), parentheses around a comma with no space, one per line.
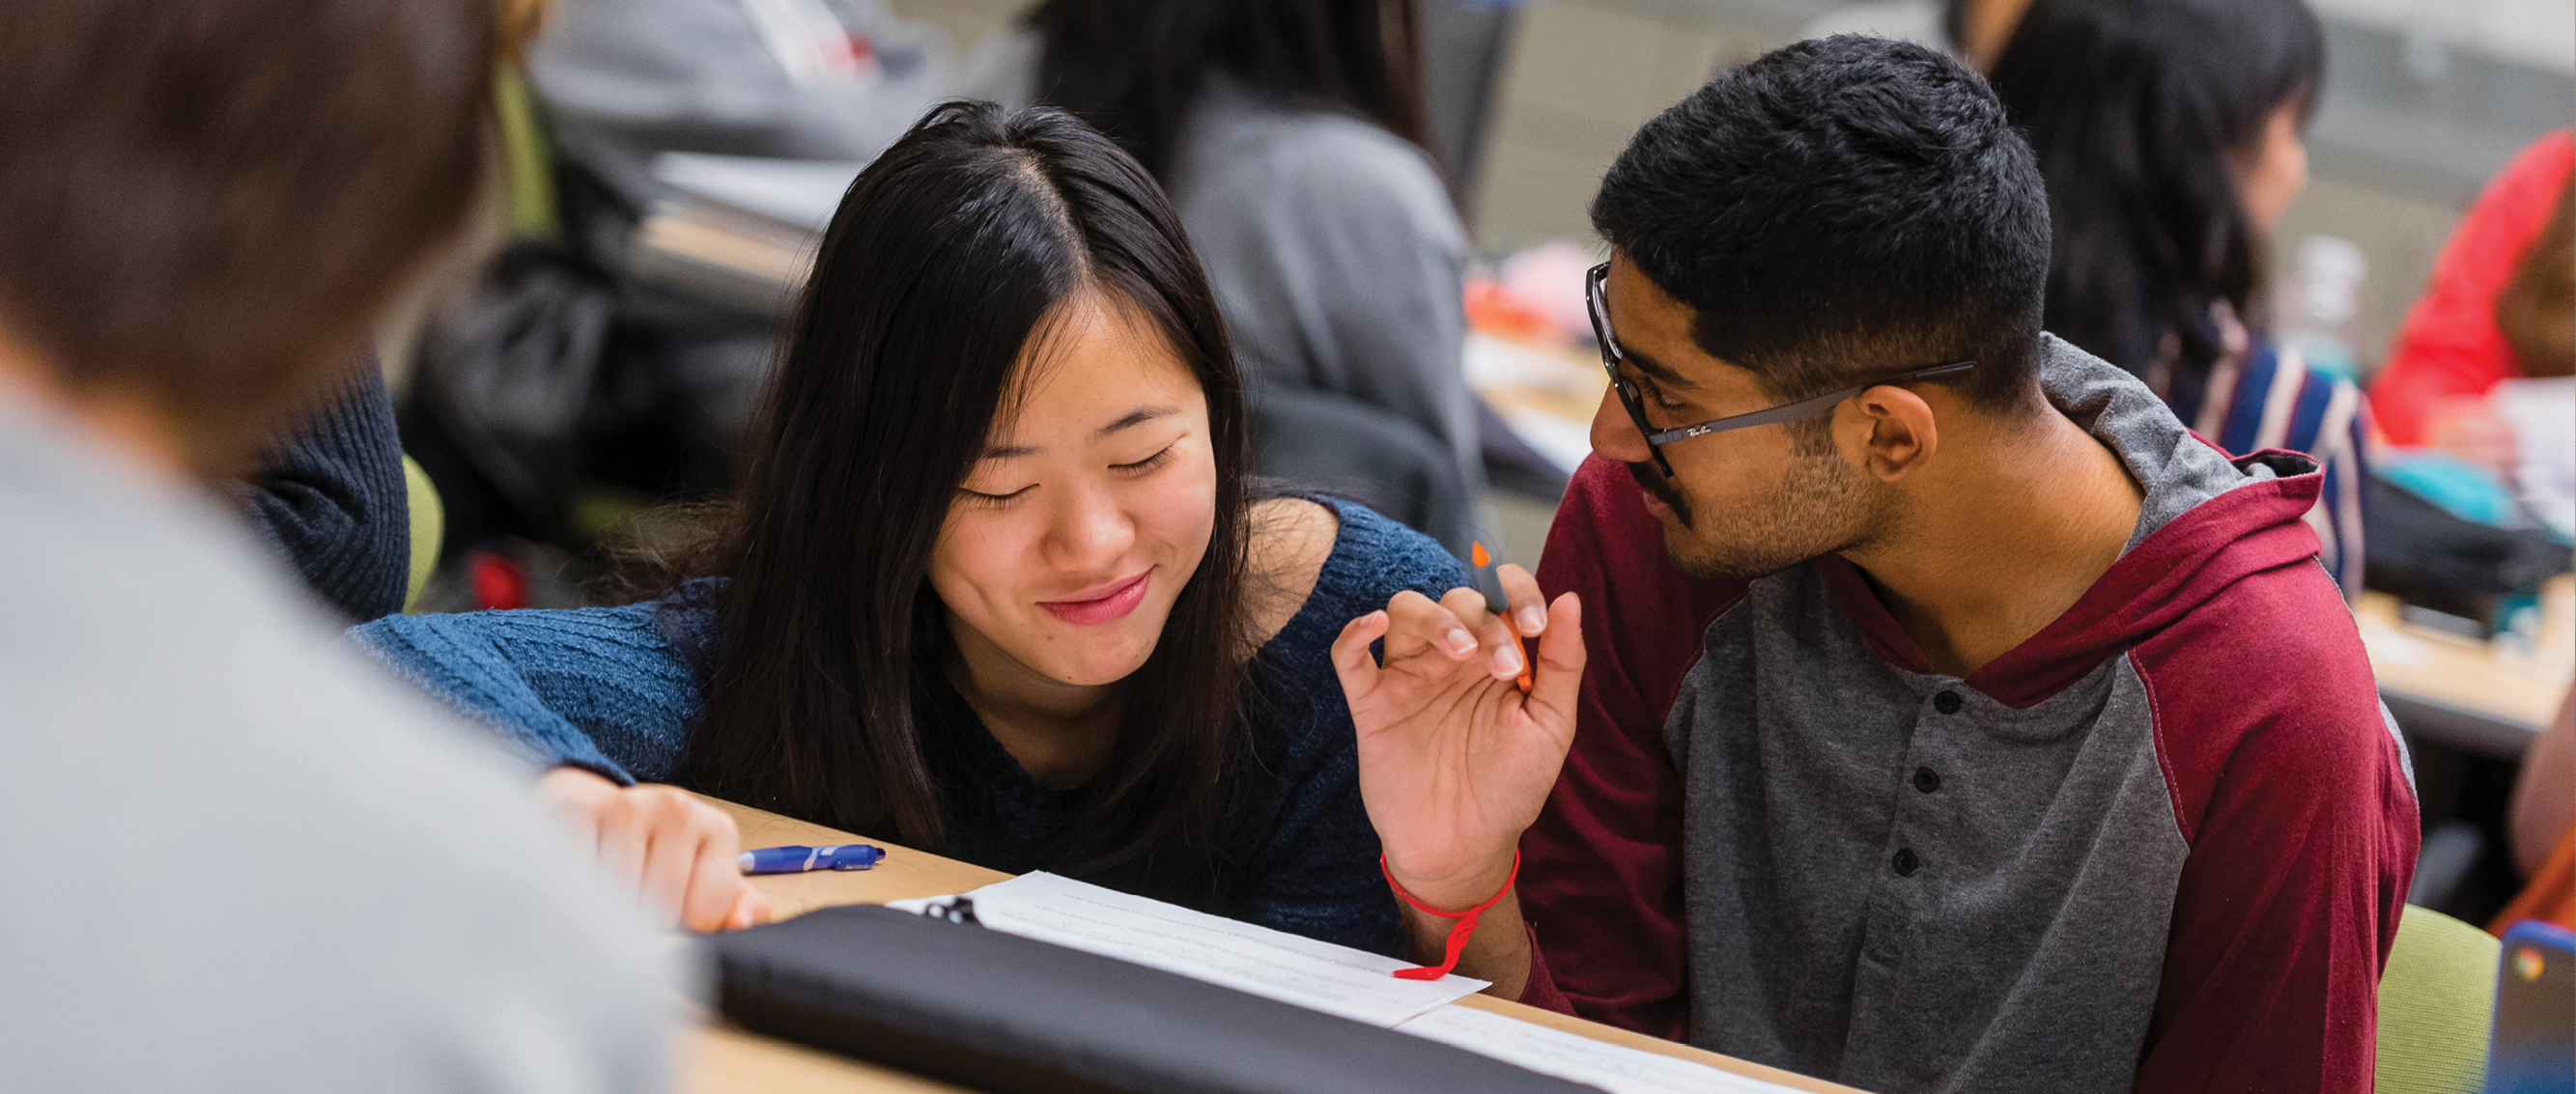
(2206,522)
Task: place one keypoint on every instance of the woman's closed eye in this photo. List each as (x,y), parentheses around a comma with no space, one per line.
(1148,464)
(995,501)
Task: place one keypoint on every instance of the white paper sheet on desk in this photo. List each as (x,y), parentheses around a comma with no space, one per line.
(1248,958)
(1615,1068)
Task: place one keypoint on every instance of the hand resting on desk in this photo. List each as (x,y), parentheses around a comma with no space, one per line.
(674,852)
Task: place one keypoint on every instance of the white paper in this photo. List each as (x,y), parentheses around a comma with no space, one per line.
(1614,1068)
(2542,414)
(1248,958)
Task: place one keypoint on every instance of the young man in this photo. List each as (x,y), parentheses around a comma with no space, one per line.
(1949,717)
(237,860)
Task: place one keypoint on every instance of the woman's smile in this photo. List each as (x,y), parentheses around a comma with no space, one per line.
(1104,604)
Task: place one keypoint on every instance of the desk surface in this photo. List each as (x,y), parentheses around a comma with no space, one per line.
(2477,696)
(725,1060)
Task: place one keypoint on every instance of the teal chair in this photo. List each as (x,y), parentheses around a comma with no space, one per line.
(2436,1006)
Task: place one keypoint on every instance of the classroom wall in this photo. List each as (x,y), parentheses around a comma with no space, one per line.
(2426,98)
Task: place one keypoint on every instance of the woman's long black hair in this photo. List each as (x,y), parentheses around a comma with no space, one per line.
(1132,67)
(2138,110)
(946,255)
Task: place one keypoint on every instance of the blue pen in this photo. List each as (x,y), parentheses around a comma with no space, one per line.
(797,859)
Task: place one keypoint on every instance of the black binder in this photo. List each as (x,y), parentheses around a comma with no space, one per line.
(1010,1015)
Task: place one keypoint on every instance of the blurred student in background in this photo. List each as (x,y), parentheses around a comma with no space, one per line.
(994,585)
(1974,31)
(795,79)
(317,884)
(1292,137)
(2170,132)
(2499,306)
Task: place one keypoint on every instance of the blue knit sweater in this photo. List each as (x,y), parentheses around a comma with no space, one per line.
(616,690)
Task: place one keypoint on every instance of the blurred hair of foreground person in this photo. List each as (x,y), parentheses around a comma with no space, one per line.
(317,885)
(2171,135)
(994,584)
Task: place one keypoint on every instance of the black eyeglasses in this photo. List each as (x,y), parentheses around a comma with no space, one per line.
(1595,295)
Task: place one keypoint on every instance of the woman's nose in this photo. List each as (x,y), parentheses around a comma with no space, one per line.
(1088,529)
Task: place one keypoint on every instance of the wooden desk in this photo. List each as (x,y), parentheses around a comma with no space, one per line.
(2466,694)
(726,1060)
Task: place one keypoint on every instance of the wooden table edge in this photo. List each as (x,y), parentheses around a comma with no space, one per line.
(906,874)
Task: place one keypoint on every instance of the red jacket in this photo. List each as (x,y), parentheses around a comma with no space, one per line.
(2449,346)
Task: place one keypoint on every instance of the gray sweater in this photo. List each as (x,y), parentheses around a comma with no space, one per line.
(240,861)
(1336,257)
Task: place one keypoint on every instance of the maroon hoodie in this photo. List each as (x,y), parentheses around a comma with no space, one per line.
(2162,844)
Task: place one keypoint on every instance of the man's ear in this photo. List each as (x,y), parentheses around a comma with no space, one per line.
(1889,431)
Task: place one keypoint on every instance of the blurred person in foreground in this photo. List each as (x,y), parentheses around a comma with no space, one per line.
(1292,136)
(2170,135)
(239,860)
(1922,706)
(2501,305)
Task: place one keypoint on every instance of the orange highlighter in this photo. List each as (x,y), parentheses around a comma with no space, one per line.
(1491,584)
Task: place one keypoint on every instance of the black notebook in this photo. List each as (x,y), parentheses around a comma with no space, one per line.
(1009,1015)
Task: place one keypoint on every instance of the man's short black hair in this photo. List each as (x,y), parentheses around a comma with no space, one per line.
(1840,208)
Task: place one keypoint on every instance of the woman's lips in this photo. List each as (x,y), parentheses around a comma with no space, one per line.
(1108,607)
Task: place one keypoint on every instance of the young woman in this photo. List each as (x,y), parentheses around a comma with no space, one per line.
(1292,136)
(995,586)
(2170,132)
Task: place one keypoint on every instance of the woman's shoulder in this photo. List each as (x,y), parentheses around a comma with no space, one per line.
(1374,558)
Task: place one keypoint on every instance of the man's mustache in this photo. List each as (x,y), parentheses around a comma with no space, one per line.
(1654,483)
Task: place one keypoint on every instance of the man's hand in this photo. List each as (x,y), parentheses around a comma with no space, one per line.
(1454,759)
(674,852)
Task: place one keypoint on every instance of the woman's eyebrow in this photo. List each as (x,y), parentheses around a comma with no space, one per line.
(1130,420)
(1136,417)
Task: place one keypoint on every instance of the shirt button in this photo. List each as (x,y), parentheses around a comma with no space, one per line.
(1906,863)
(1947,702)
(1926,779)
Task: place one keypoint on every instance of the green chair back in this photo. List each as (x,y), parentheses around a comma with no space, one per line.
(428,529)
(2436,1006)
(533,214)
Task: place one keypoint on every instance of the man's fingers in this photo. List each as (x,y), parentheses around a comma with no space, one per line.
(1351,658)
(1560,664)
(1529,606)
(1500,644)
(1416,626)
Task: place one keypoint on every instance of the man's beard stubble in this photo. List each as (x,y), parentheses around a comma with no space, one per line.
(1819,506)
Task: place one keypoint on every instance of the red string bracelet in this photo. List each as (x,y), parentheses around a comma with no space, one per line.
(1459,931)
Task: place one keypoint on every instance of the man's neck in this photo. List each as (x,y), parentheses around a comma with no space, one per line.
(2006,541)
